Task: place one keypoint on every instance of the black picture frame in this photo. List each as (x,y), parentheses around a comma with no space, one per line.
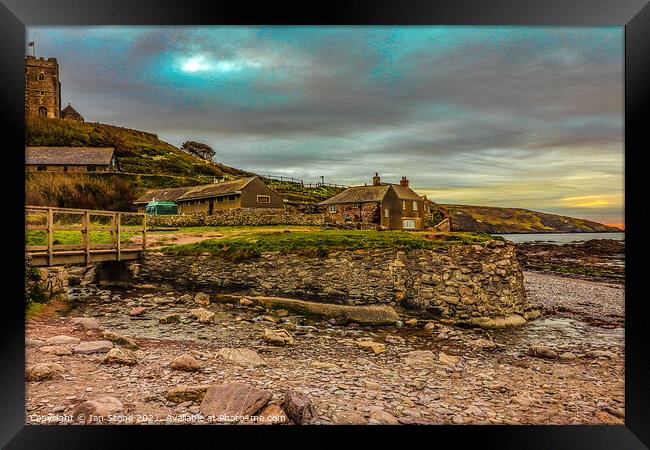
(633,14)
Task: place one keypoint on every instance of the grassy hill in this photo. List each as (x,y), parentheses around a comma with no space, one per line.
(488,219)
(136,151)
(302,197)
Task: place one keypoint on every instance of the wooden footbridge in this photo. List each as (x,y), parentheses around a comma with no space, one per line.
(57,236)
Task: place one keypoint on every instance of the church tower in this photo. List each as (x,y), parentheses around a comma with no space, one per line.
(42,87)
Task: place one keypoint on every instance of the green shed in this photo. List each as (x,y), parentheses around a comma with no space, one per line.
(160,208)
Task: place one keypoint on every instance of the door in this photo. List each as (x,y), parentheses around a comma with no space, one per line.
(210,206)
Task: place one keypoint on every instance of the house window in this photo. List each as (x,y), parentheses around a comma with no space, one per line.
(408,224)
(42,111)
(332,208)
(41,168)
(91,168)
(42,92)
(386,213)
(404,205)
(263,199)
(65,168)
(41,76)
(415,206)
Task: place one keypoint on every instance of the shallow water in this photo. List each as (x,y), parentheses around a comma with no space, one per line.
(560,238)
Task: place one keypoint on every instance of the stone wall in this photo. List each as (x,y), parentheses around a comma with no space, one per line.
(239,216)
(461,282)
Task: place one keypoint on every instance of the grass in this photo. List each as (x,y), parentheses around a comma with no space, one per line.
(322,242)
(71,237)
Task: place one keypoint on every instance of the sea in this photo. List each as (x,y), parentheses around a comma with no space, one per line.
(560,238)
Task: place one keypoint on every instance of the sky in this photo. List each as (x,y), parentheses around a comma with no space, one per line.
(528,117)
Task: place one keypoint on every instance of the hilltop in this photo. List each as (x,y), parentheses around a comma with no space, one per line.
(490,219)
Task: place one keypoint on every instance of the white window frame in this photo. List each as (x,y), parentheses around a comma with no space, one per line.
(404,205)
(386,213)
(409,221)
(267,197)
(415,205)
(332,209)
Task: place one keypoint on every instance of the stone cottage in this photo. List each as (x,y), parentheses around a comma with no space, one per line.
(385,205)
(247,192)
(70,159)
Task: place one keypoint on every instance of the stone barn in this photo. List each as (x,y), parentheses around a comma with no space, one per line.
(248,192)
(70,159)
(384,205)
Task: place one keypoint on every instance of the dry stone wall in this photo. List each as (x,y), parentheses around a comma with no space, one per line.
(239,216)
(462,282)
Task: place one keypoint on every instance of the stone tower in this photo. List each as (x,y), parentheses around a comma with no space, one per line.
(42,87)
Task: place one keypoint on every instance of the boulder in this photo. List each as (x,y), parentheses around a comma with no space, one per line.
(497,322)
(278,337)
(540,351)
(86,323)
(602,354)
(34,342)
(90,347)
(411,322)
(102,407)
(272,415)
(241,356)
(137,311)
(120,356)
(298,407)
(58,350)
(420,358)
(372,346)
(90,277)
(43,372)
(448,359)
(202,315)
(62,340)
(169,318)
(185,393)
(186,298)
(369,314)
(120,340)
(230,402)
(186,363)
(202,299)
(382,417)
(245,302)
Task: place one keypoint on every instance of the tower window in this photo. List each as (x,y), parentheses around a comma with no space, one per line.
(41,76)
(42,92)
(42,111)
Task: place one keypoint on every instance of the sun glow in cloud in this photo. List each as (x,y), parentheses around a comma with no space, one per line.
(590,201)
(201,63)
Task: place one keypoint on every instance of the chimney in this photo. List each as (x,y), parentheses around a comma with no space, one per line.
(376,180)
(404,182)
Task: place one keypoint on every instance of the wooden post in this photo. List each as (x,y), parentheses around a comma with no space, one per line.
(118,229)
(86,235)
(144,231)
(50,237)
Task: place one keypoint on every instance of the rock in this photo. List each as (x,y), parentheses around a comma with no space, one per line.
(186,363)
(202,315)
(34,342)
(229,402)
(351,418)
(169,318)
(618,412)
(567,356)
(602,354)
(298,407)
(186,298)
(86,323)
(532,315)
(323,365)
(89,277)
(245,302)
(62,340)
(448,359)
(184,393)
(120,356)
(57,350)
(497,322)
(382,417)
(43,372)
(482,344)
(540,351)
(202,299)
(375,347)
(278,337)
(420,358)
(411,322)
(90,347)
(137,311)
(430,326)
(606,417)
(241,356)
(369,314)
(103,406)
(272,415)
(120,340)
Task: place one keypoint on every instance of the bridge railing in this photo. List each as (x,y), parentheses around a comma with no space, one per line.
(83,235)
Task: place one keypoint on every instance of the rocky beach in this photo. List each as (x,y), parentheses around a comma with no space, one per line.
(148,356)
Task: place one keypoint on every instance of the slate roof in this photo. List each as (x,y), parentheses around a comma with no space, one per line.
(372,193)
(68,156)
(69,111)
(195,192)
